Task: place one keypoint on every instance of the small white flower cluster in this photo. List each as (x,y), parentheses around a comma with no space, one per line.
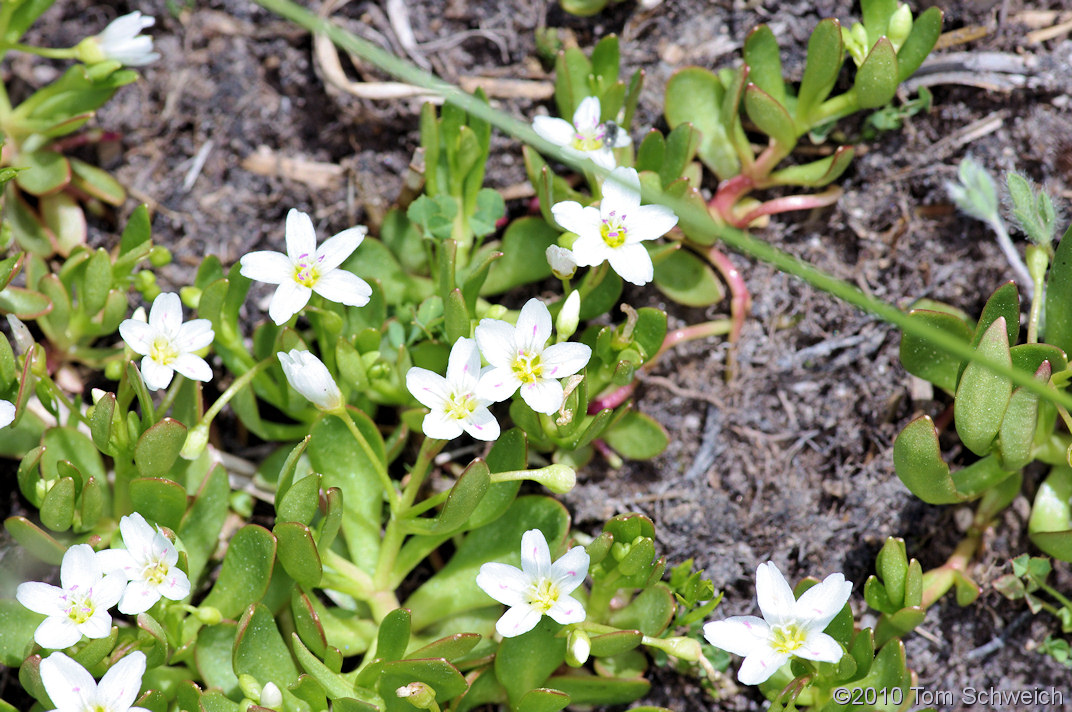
(91,583)
(72,689)
(518,359)
(613,231)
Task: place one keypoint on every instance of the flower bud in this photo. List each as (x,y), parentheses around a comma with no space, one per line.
(113,370)
(159,256)
(419,695)
(209,615)
(682,648)
(271,697)
(566,323)
(558,478)
(196,440)
(561,260)
(578,648)
(23,338)
(310,377)
(900,26)
(190,296)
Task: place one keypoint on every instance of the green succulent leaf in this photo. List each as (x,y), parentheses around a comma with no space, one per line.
(298,554)
(159,500)
(826,52)
(158,447)
(923,359)
(259,649)
(877,78)
(1058,327)
(246,571)
(1050,524)
(926,28)
(763,57)
(982,395)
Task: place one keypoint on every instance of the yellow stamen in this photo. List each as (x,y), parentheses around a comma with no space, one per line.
(163,351)
(527,367)
(306,271)
(788,638)
(460,405)
(543,595)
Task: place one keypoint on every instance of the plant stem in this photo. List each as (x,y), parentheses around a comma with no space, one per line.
(169,398)
(381,469)
(1037,261)
(1012,256)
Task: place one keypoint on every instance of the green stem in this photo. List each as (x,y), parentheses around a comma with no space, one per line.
(381,469)
(169,399)
(1037,262)
(236,385)
(47,52)
(689,214)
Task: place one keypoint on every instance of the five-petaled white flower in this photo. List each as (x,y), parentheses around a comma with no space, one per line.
(72,689)
(309,376)
(7,413)
(122,41)
(613,231)
(168,344)
(789,627)
(539,588)
(307,268)
(519,359)
(453,401)
(80,606)
(148,562)
(587,136)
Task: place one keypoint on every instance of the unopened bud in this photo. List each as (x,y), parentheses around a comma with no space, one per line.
(23,337)
(569,316)
(159,256)
(561,260)
(271,697)
(97,394)
(682,648)
(495,311)
(578,648)
(190,296)
(196,440)
(900,26)
(209,615)
(419,695)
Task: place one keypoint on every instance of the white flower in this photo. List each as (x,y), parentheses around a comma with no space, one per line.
(613,232)
(7,413)
(167,344)
(586,137)
(309,376)
(789,627)
(80,606)
(122,41)
(72,689)
(148,563)
(561,260)
(539,588)
(519,359)
(453,401)
(306,269)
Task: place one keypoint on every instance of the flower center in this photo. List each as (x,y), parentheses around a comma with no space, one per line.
(526,367)
(613,230)
(543,595)
(590,140)
(787,638)
(162,350)
(306,270)
(80,609)
(460,406)
(155,573)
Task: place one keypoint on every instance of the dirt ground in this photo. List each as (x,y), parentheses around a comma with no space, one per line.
(789,461)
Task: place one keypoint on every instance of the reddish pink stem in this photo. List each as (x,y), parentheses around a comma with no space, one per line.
(740,302)
(82,139)
(613,399)
(728,193)
(789,203)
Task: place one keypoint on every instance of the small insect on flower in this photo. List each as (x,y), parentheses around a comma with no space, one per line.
(72,689)
(790,627)
(149,564)
(613,231)
(307,268)
(168,344)
(453,401)
(519,358)
(538,588)
(587,136)
(79,606)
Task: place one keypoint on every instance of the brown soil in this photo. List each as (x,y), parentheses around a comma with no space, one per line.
(790,460)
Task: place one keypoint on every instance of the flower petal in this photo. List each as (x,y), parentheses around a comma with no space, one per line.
(343,287)
(497,384)
(98,625)
(79,568)
(57,633)
(533,326)
(177,585)
(821,647)
(438,425)
(603,157)
(68,684)
(570,571)
(535,556)
(138,335)
(429,388)
(301,236)
(155,375)
(336,249)
(775,597)
(574,217)
(632,263)
(566,610)
(165,315)
(591,250)
(495,338)
(621,192)
(648,222)
(117,560)
(108,591)
(740,635)
(817,606)
(138,597)
(506,584)
(482,425)
(543,396)
(7,413)
(121,684)
(565,359)
(586,117)
(557,131)
(463,366)
(41,598)
(266,266)
(137,537)
(760,665)
(193,367)
(289,299)
(194,335)
(517,620)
